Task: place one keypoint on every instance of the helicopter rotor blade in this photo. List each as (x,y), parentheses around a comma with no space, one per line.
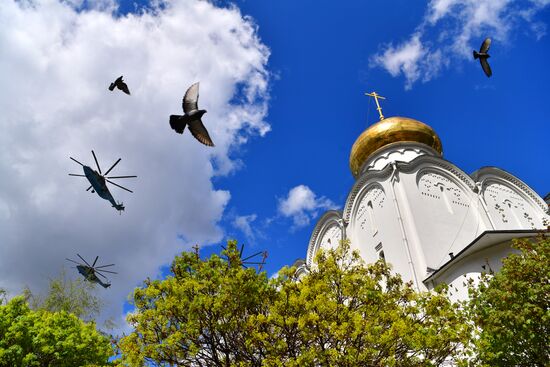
(106,271)
(98,168)
(253,263)
(103,266)
(251,256)
(121,177)
(113,166)
(97,257)
(73,261)
(122,187)
(74,174)
(77,161)
(241,252)
(85,262)
(102,275)
(88,189)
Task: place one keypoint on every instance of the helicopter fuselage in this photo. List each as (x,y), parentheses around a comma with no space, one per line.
(89,274)
(99,185)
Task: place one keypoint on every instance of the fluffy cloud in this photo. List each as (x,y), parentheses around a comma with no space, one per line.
(244,224)
(302,205)
(56,63)
(451,29)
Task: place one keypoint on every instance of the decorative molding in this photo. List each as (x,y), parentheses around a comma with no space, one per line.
(438,165)
(488,174)
(373,197)
(330,217)
(365,180)
(435,164)
(397,147)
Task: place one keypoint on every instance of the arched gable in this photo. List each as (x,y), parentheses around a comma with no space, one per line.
(373,225)
(443,212)
(360,186)
(511,204)
(327,233)
(443,167)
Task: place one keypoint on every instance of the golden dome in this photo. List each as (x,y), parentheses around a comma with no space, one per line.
(388,131)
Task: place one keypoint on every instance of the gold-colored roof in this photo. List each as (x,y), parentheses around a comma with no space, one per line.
(388,131)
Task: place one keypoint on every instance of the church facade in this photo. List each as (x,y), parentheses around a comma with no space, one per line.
(422,214)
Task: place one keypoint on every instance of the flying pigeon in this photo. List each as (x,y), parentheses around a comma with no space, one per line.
(120,85)
(192,117)
(482,55)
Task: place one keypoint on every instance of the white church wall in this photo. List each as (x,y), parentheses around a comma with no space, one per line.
(507,208)
(331,238)
(414,213)
(456,275)
(444,213)
(374,228)
(511,204)
(327,234)
(439,209)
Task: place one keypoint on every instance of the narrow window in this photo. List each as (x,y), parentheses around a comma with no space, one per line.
(378,249)
(370,210)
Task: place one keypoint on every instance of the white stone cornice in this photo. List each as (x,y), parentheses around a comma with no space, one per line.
(444,165)
(407,167)
(329,217)
(488,174)
(396,152)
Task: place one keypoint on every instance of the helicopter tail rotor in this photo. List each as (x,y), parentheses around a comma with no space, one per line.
(119,207)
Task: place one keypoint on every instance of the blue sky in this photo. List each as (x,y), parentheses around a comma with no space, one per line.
(321,57)
(305,65)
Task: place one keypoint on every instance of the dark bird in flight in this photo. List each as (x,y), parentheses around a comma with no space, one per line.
(120,85)
(482,55)
(192,117)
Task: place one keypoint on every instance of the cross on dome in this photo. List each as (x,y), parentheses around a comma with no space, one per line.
(377,96)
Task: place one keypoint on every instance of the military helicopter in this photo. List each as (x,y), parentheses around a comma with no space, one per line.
(90,272)
(98,181)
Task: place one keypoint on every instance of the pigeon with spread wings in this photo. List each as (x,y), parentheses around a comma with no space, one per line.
(119,83)
(192,117)
(482,55)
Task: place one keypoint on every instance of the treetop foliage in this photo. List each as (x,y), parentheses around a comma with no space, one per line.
(76,296)
(215,313)
(512,308)
(43,338)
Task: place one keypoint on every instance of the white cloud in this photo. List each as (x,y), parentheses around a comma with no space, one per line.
(243,223)
(302,205)
(451,29)
(412,59)
(55,66)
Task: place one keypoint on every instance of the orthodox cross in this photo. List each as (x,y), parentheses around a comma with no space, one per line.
(196,248)
(377,96)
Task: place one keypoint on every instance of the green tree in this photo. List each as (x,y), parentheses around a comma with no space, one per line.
(73,296)
(343,313)
(512,308)
(201,315)
(42,338)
